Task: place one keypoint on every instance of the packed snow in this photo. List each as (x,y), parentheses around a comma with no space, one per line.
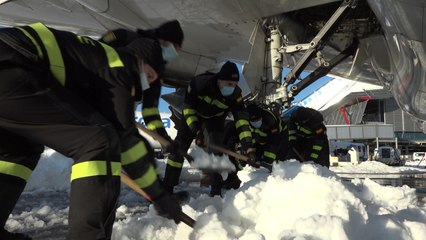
(295,201)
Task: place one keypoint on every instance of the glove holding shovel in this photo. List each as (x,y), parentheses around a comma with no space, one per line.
(253,160)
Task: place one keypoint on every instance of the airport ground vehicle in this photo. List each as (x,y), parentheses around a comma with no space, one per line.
(418,156)
(388,155)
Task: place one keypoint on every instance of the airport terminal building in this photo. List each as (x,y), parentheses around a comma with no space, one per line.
(366,113)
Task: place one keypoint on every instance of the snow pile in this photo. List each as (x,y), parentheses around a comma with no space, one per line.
(204,160)
(296,201)
(371,167)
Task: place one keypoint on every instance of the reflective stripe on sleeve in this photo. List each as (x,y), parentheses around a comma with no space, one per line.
(148,178)
(133,154)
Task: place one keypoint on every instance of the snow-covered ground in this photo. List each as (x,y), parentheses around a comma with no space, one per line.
(295,201)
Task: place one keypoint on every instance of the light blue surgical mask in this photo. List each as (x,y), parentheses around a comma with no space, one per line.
(227,91)
(144,81)
(256,124)
(169,52)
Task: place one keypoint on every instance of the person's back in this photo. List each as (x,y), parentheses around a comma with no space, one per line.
(78,98)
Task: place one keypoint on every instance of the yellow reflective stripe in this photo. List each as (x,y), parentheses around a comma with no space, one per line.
(56,62)
(260,133)
(269,154)
(207,99)
(148,178)
(155,125)
(16,170)
(191,119)
(220,104)
(317,147)
(113,57)
(134,153)
(188,111)
(244,134)
(94,168)
(291,132)
(147,112)
(39,52)
(241,122)
(314,155)
(292,138)
(304,130)
(174,164)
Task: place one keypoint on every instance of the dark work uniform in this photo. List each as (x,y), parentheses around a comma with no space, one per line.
(271,138)
(308,135)
(72,94)
(206,107)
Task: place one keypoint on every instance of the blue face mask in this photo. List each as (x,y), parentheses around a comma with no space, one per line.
(144,81)
(169,52)
(227,91)
(256,124)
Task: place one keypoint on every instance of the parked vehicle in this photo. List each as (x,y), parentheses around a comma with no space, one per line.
(417,156)
(389,156)
(340,148)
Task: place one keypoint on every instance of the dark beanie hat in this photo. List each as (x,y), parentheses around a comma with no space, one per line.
(254,111)
(229,72)
(150,52)
(170,31)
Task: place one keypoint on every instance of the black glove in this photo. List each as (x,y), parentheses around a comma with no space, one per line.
(199,138)
(252,160)
(172,147)
(168,206)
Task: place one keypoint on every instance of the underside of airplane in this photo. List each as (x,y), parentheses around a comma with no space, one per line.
(375,41)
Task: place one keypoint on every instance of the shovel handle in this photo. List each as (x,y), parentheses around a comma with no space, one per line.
(162,141)
(237,155)
(129,182)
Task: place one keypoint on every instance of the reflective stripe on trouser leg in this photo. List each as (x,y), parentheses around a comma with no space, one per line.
(18,158)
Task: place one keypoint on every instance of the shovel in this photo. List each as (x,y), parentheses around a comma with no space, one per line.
(237,155)
(129,182)
(165,143)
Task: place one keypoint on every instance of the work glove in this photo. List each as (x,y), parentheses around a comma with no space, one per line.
(172,147)
(252,160)
(199,138)
(168,206)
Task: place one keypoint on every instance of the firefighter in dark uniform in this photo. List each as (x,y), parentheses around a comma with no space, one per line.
(208,100)
(170,36)
(307,137)
(76,96)
(269,134)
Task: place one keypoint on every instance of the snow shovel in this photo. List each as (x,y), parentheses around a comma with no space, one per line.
(129,182)
(207,168)
(237,155)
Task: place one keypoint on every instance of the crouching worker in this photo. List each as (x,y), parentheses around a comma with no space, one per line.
(269,133)
(307,137)
(76,96)
(208,100)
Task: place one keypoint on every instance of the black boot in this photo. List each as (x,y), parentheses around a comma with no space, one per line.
(215,180)
(5,235)
(232,181)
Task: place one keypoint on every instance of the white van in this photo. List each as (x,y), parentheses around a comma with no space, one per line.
(417,156)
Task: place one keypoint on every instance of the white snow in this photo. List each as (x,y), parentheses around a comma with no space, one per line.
(295,201)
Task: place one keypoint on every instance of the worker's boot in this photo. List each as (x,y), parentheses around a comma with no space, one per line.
(215,180)
(232,181)
(9,195)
